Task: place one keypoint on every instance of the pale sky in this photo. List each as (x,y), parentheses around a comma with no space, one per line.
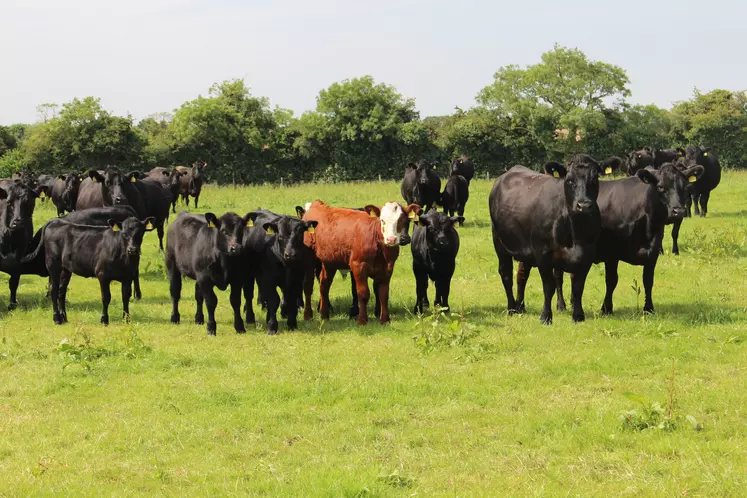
(147,56)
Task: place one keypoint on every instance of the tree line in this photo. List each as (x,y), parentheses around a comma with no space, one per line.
(364,130)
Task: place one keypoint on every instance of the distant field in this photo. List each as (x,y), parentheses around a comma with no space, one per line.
(487,405)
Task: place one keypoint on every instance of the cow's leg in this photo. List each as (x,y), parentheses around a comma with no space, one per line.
(159,231)
(175,289)
(235,297)
(610,278)
(675,236)
(136,281)
(293,286)
(325,282)
(126,295)
(382,289)
(211,301)
(199,299)
(248,297)
(578,281)
(185,198)
(272,298)
(15,279)
(704,203)
(377,298)
(65,277)
(648,285)
(54,293)
(522,276)
(506,271)
(308,289)
(443,287)
(696,201)
(106,298)
(197,199)
(354,310)
(560,304)
(421,288)
(359,272)
(548,286)
(173,204)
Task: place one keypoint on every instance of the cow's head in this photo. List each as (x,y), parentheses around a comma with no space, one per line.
(19,205)
(198,168)
(289,238)
(130,232)
(228,231)
(440,234)
(71,183)
(671,183)
(114,185)
(581,185)
(395,221)
(422,168)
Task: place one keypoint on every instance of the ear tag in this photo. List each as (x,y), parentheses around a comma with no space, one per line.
(250,223)
(81,179)
(42,195)
(372,214)
(692,178)
(434,166)
(115,228)
(133,179)
(556,174)
(311,229)
(149,226)
(270,231)
(211,224)
(59,179)
(705,154)
(607,170)
(94,180)
(413,215)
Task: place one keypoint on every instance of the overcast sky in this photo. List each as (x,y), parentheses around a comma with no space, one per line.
(146,56)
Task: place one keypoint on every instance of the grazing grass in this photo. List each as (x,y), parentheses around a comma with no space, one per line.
(478,403)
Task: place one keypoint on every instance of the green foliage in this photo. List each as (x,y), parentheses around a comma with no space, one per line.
(12,161)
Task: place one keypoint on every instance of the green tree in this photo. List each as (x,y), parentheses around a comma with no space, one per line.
(159,141)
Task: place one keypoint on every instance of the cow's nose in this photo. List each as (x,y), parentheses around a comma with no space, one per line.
(132,251)
(391,241)
(117,200)
(583,205)
(232,248)
(679,211)
(404,240)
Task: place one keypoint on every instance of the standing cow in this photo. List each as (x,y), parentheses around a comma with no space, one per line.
(548,223)
(191,181)
(456,194)
(639,159)
(65,192)
(171,180)
(421,185)
(700,191)
(462,165)
(17,201)
(662,156)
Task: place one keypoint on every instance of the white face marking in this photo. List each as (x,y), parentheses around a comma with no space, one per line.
(390,215)
(306,206)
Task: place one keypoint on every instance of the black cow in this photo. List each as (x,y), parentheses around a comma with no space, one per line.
(103,252)
(611,165)
(208,250)
(549,223)
(632,231)
(462,165)
(639,159)
(275,251)
(17,201)
(700,191)
(435,244)
(191,181)
(421,185)
(171,180)
(64,192)
(110,187)
(156,198)
(43,186)
(662,156)
(455,195)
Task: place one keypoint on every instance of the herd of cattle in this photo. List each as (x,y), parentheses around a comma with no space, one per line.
(561,221)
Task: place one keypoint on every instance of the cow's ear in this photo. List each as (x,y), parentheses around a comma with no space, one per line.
(694,173)
(372,211)
(300,212)
(134,176)
(250,218)
(647,177)
(457,219)
(95,176)
(212,220)
(311,226)
(150,223)
(61,178)
(115,224)
(411,166)
(556,170)
(412,211)
(3,193)
(270,228)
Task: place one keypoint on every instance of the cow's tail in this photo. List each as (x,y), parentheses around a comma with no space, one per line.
(39,246)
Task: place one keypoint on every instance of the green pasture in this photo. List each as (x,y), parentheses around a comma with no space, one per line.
(477,403)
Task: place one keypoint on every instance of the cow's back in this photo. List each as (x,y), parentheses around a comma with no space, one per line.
(341,234)
(89,195)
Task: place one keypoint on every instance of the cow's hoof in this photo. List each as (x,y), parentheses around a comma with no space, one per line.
(57,319)
(292,325)
(580,317)
(126,318)
(212,328)
(104,320)
(239,327)
(649,310)
(250,320)
(138,296)
(12,306)
(561,307)
(546,319)
(175,318)
(199,319)
(606,310)
(675,252)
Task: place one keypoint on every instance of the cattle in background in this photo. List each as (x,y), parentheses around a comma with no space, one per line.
(191,181)
(106,253)
(611,165)
(639,159)
(367,243)
(17,202)
(277,257)
(462,165)
(171,179)
(549,223)
(700,190)
(43,186)
(435,245)
(110,187)
(156,198)
(455,195)
(421,185)
(632,231)
(662,156)
(208,250)
(65,192)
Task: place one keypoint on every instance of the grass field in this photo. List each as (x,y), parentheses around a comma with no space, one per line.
(475,404)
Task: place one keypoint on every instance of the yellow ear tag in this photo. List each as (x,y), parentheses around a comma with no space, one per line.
(705,154)
(133,179)
(270,231)
(692,179)
(607,170)
(556,174)
(250,223)
(115,228)
(372,214)
(59,179)
(412,215)
(211,224)
(149,226)
(42,195)
(94,180)
(310,229)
